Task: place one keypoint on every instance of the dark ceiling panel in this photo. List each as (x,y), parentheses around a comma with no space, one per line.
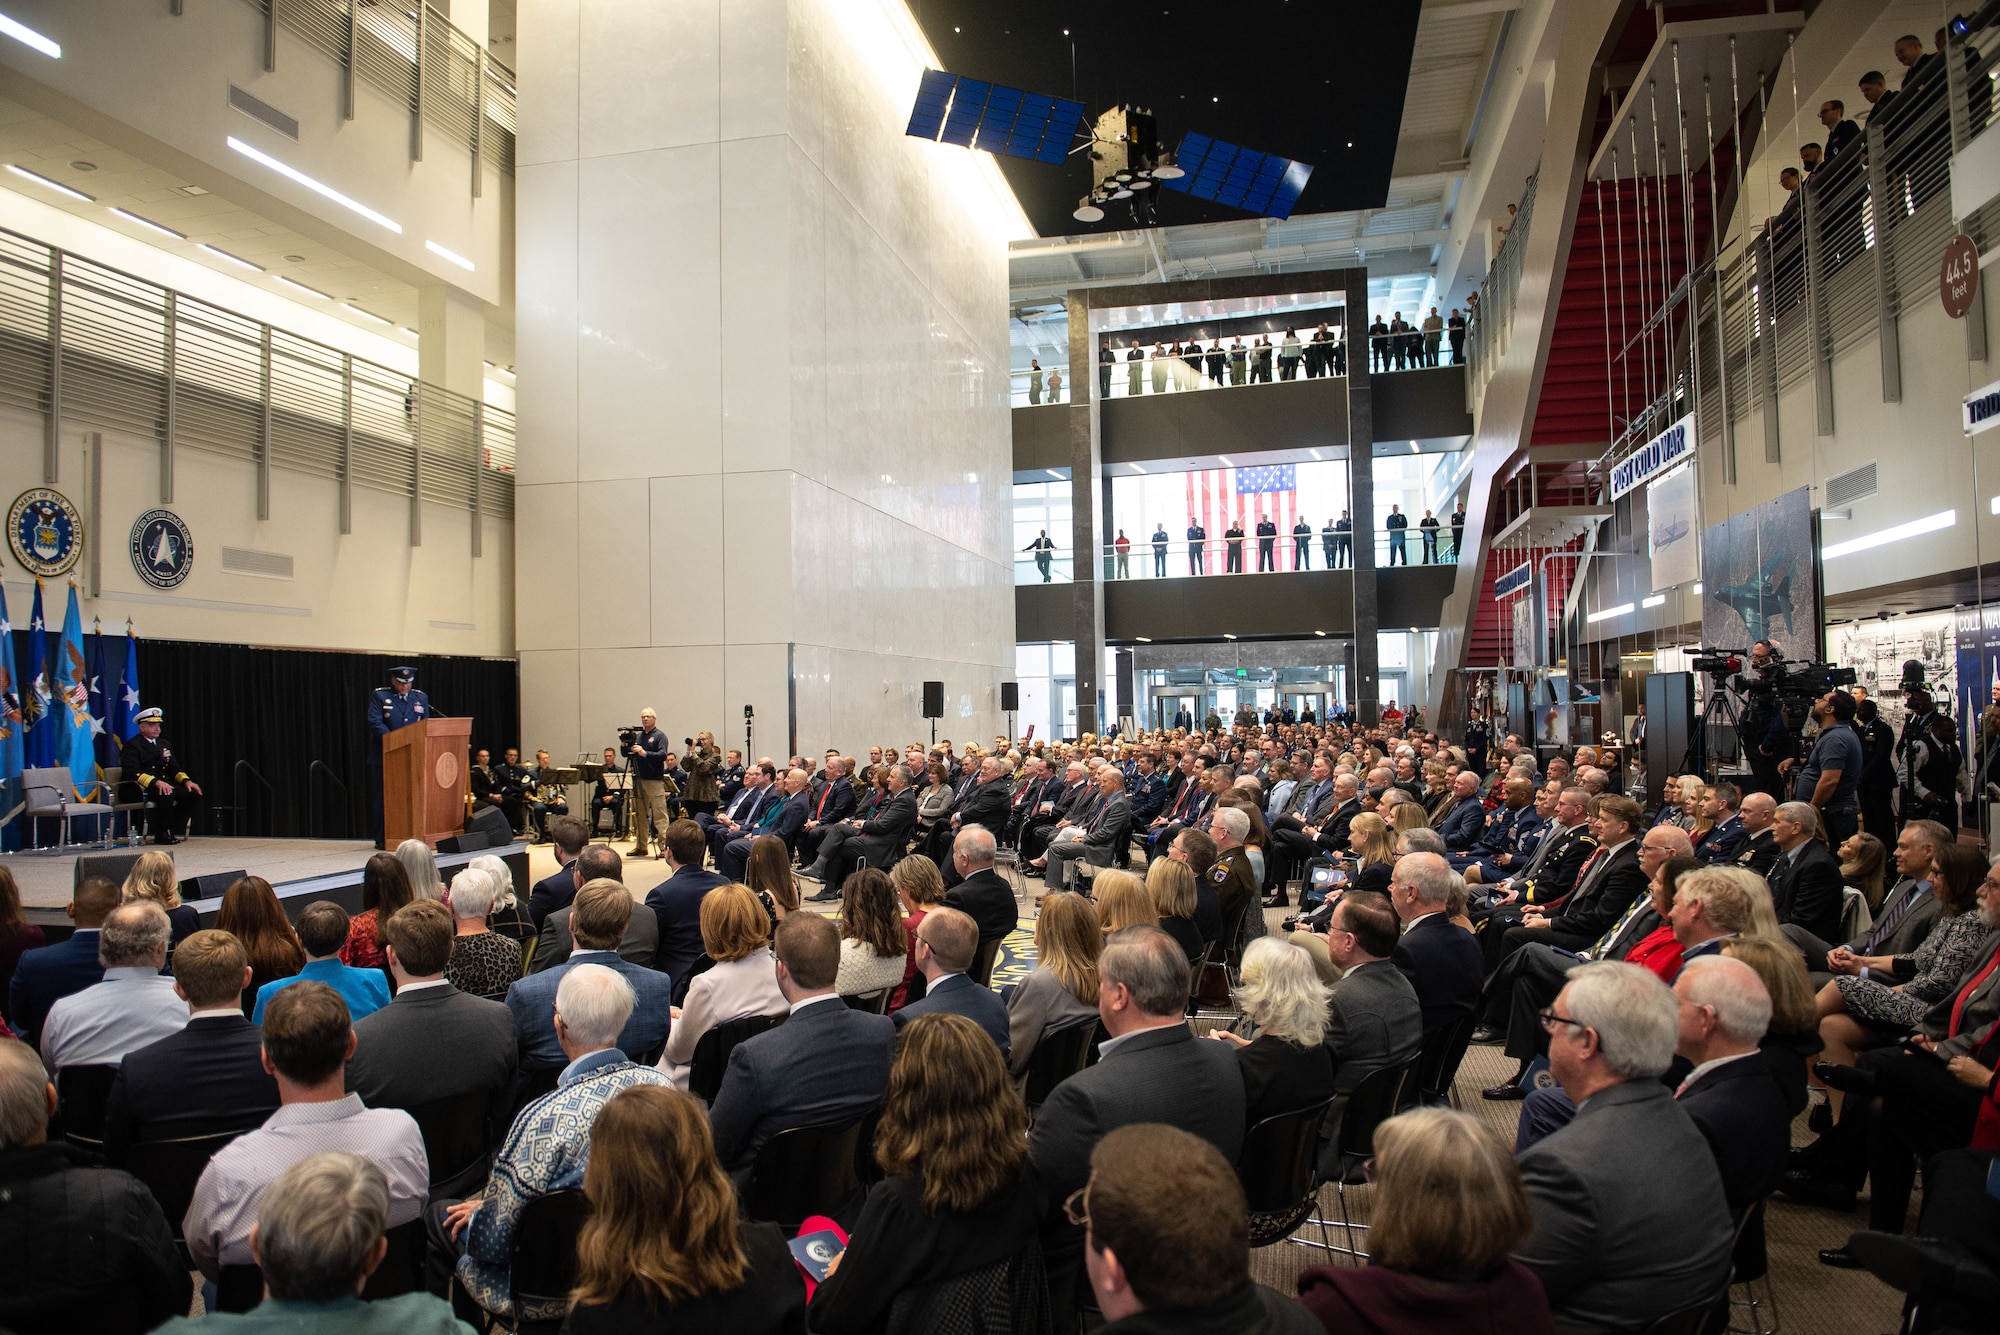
(1302,79)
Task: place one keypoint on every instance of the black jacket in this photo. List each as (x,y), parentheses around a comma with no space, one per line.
(87,1248)
(986,805)
(1807,889)
(1595,907)
(552,893)
(207,1079)
(1443,963)
(1742,1115)
(988,898)
(436,1043)
(883,835)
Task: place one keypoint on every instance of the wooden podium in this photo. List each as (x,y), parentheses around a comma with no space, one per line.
(425,774)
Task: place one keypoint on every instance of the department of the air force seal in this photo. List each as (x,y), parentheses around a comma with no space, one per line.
(162,548)
(45,531)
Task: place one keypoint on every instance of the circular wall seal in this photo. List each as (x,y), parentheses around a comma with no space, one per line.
(162,548)
(446,771)
(45,531)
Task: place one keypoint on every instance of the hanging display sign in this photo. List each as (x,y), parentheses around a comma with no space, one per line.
(1656,456)
(1958,276)
(1981,410)
(1513,581)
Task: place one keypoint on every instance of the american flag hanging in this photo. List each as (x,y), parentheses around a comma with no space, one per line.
(1218,495)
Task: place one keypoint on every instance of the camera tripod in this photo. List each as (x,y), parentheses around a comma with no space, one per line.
(1720,711)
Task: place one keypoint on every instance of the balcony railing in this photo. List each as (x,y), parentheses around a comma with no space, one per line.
(1493,313)
(144,360)
(1288,554)
(1173,372)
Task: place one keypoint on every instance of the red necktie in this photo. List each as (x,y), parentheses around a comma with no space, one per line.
(1965,994)
(826,791)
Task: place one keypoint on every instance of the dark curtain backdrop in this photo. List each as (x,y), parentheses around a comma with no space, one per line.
(280,710)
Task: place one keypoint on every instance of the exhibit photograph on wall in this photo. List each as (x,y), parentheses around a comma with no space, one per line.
(1670,529)
(1760,578)
(1877,650)
(1978,668)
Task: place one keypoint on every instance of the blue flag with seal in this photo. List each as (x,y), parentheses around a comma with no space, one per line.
(13,746)
(124,701)
(36,700)
(69,673)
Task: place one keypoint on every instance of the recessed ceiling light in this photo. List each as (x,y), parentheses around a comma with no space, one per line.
(27,36)
(225,255)
(317,187)
(1143,639)
(456,258)
(296,259)
(82,166)
(309,291)
(45,182)
(148,222)
(192,190)
(1227,636)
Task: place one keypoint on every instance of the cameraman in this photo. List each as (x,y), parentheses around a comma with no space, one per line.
(1767,743)
(648,770)
(701,793)
(1832,773)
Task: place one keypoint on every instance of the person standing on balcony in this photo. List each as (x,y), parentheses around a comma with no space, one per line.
(1378,345)
(1055,386)
(1034,381)
(1233,536)
(1106,358)
(1302,544)
(1263,371)
(1289,353)
(1217,359)
(1330,540)
(1396,523)
(1433,333)
(1343,528)
(1196,537)
(1454,329)
(1160,541)
(1267,544)
(1045,552)
(1839,132)
(1133,370)
(1429,525)
(1123,546)
(1239,362)
(1159,369)
(1457,519)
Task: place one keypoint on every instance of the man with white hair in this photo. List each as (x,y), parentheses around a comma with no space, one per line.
(1731,1093)
(134,1006)
(1440,959)
(1630,1216)
(1806,885)
(550,1141)
(1097,839)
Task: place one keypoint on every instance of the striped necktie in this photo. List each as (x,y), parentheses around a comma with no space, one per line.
(1606,941)
(1886,926)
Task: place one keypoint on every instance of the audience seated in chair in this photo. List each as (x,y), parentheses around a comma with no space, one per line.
(1724,1011)
(482,963)
(135,1004)
(1061,990)
(666,1247)
(1166,1240)
(826,1065)
(638,943)
(1449,1209)
(1441,960)
(318,1238)
(981,891)
(308,1038)
(676,902)
(743,981)
(550,1141)
(206,1079)
(957,1215)
(47,974)
(1279,1037)
(599,918)
(87,1246)
(873,947)
(947,940)
(568,835)
(1375,1021)
(323,928)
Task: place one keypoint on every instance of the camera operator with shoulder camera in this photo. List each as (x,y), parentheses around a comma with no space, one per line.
(1767,743)
(1831,775)
(646,746)
(702,792)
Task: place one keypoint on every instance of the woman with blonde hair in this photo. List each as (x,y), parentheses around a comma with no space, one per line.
(1792,1039)
(959,1195)
(1122,901)
(1449,1213)
(1688,790)
(1279,1037)
(920,887)
(1061,990)
(743,980)
(665,1247)
(1864,860)
(873,948)
(1374,853)
(153,877)
(1409,816)
(1171,885)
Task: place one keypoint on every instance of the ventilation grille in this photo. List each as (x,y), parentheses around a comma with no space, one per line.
(1856,484)
(263,565)
(258,109)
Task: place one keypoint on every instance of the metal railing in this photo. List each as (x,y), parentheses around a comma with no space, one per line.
(145,360)
(1492,317)
(456,88)
(1144,559)
(1169,371)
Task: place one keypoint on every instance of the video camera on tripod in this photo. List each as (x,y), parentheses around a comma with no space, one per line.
(1789,689)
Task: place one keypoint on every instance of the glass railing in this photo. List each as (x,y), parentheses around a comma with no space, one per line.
(1230,368)
(1285,554)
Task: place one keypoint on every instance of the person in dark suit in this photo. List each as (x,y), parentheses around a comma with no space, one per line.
(745,810)
(881,838)
(1904,918)
(1375,1020)
(207,1079)
(1097,838)
(676,903)
(946,942)
(1806,886)
(1150,1069)
(553,892)
(832,803)
(985,804)
(1606,886)
(1730,1094)
(641,941)
(1759,848)
(434,1042)
(982,894)
(47,974)
(825,1065)
(784,818)
(1440,958)
(1460,821)
(599,917)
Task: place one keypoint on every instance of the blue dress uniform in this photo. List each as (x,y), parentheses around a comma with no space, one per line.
(388,710)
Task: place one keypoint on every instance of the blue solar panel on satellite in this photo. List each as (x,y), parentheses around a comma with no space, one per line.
(992,117)
(1239,177)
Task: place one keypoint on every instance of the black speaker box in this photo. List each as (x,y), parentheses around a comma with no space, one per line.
(1010,696)
(212,886)
(933,699)
(492,822)
(469,842)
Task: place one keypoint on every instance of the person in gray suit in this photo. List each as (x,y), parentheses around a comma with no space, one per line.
(879,840)
(1374,1017)
(1151,1069)
(434,1042)
(946,942)
(1096,840)
(825,1065)
(1630,1218)
(598,862)
(1909,910)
